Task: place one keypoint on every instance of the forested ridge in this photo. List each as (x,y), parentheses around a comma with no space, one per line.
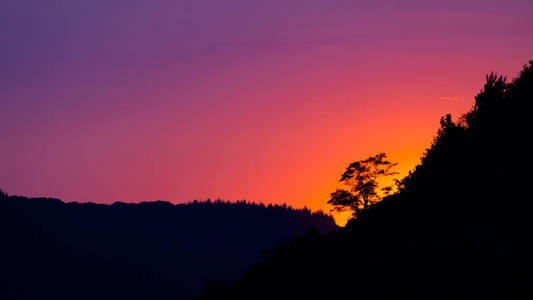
(151,250)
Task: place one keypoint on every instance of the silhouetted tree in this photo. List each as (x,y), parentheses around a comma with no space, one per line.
(488,102)
(361,177)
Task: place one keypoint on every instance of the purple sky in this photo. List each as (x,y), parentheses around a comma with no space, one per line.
(264,100)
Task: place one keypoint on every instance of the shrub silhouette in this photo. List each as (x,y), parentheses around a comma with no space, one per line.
(459,226)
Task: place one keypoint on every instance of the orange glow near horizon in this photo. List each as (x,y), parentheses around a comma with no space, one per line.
(407,160)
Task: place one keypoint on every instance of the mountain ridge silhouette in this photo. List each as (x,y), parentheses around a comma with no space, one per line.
(157,250)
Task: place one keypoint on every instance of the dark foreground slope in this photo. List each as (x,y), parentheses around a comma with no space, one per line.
(460,226)
(152,250)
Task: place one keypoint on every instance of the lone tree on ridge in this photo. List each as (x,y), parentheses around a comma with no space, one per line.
(361,178)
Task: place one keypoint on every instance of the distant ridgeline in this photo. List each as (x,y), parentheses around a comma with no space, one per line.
(151,250)
(460,226)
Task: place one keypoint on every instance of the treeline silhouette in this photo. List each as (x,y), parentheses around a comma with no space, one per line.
(151,250)
(459,227)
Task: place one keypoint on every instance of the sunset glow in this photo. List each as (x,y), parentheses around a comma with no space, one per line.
(268,101)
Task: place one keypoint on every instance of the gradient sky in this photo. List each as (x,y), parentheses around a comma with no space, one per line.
(130,100)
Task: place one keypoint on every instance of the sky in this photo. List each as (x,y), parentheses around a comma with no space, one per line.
(269,101)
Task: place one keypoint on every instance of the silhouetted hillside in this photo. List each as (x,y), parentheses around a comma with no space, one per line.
(459,227)
(151,250)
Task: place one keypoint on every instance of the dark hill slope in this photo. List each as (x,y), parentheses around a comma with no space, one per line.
(151,250)
(459,227)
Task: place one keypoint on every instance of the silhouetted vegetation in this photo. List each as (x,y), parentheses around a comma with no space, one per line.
(361,177)
(459,226)
(151,250)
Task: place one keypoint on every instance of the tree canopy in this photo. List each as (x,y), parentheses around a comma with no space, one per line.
(361,178)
